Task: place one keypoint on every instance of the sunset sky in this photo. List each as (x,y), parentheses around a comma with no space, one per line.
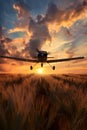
(57,26)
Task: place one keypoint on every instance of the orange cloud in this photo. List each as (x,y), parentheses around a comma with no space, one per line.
(56,18)
(43,29)
(22,9)
(18,29)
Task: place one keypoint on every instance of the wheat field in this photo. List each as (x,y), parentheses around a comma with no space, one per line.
(47,102)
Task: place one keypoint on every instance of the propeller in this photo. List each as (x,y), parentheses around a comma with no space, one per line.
(48,53)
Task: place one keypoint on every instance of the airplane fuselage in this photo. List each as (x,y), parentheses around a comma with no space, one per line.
(42,56)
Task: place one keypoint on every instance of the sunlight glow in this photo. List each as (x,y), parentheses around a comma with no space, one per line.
(40,71)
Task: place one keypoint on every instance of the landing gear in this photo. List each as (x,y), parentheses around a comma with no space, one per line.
(53,67)
(31,67)
(41,64)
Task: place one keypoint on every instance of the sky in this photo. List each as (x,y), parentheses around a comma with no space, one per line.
(57,26)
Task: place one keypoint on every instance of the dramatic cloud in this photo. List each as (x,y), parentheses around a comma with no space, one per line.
(3,40)
(23,15)
(39,32)
(66,17)
(39,36)
(22,9)
(40,29)
(60,24)
(4,44)
(17,29)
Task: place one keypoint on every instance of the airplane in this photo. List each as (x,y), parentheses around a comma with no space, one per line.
(42,57)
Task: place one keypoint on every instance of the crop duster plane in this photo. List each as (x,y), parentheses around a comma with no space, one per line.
(42,57)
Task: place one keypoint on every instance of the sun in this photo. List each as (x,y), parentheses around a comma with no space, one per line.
(40,71)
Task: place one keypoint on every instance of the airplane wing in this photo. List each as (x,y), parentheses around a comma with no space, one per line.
(65,59)
(19,59)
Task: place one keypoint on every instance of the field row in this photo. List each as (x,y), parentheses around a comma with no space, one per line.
(47,102)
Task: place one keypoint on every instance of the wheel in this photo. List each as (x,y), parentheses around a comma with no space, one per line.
(41,64)
(31,67)
(53,67)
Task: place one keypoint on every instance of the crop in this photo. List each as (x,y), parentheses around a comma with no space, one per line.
(47,102)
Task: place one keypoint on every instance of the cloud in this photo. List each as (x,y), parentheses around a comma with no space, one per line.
(22,9)
(3,40)
(23,15)
(17,29)
(39,29)
(55,17)
(39,33)
(79,43)
(39,36)
(63,24)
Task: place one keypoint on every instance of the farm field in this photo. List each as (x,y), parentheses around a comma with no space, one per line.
(43,102)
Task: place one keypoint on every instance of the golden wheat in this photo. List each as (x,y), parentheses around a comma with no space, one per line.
(50,102)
